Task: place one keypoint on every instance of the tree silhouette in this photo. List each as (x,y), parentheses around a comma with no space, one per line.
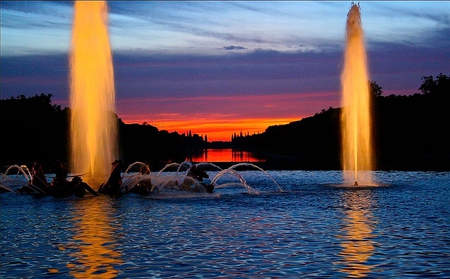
(410,132)
(375,89)
(440,86)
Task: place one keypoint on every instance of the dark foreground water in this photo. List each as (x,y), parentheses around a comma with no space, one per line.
(311,230)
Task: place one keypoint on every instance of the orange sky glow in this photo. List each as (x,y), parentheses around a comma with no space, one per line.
(216,129)
(249,114)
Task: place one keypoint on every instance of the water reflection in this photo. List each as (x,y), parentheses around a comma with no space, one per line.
(95,239)
(357,233)
(224,155)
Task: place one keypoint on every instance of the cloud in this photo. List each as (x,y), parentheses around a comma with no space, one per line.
(253,84)
(36,15)
(167,27)
(257,72)
(262,71)
(234,48)
(34,74)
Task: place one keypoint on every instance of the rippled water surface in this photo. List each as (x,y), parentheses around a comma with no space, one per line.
(312,229)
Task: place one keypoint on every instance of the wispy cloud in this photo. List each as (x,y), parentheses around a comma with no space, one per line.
(234,48)
(200,27)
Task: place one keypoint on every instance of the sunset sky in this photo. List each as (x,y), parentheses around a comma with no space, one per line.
(222,67)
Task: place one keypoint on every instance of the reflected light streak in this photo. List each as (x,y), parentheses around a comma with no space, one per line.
(357,246)
(95,240)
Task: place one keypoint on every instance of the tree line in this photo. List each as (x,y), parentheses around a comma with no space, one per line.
(34,129)
(409,132)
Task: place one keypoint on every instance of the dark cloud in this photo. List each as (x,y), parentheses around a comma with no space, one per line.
(264,72)
(35,74)
(259,72)
(234,48)
(400,68)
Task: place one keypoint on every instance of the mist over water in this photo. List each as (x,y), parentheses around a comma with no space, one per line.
(93,128)
(357,151)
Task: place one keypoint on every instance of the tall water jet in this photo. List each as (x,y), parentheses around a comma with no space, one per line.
(93,126)
(356,126)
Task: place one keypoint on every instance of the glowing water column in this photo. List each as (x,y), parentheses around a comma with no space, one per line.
(93,125)
(357,151)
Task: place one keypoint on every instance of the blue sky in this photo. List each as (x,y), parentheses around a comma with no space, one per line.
(219,62)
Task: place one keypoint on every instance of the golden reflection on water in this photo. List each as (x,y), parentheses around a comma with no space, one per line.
(95,240)
(357,233)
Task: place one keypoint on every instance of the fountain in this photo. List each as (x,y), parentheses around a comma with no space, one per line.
(171,183)
(357,151)
(174,184)
(93,126)
(8,183)
(241,179)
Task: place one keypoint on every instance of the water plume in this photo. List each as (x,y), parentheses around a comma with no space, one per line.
(357,152)
(93,125)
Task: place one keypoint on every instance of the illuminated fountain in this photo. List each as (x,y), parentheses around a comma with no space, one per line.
(93,126)
(12,184)
(163,183)
(357,151)
(171,182)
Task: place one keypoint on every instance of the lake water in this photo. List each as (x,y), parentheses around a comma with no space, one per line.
(311,229)
(224,155)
